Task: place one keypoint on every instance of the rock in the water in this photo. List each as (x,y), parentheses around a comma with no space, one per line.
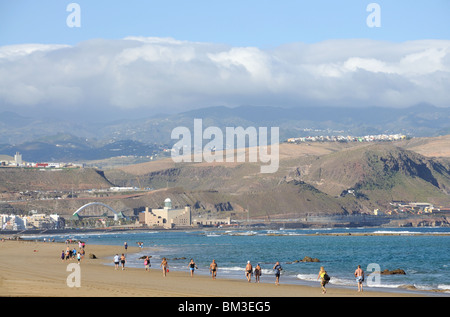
(393,272)
(309,259)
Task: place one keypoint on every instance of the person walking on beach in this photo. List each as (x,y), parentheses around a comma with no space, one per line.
(82,253)
(277,267)
(63,255)
(213,269)
(125,245)
(74,253)
(248,271)
(323,276)
(359,274)
(147,263)
(116,261)
(257,273)
(192,267)
(122,261)
(165,266)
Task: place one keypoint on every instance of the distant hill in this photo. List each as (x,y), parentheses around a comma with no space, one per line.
(22,179)
(68,148)
(311,179)
(430,147)
(380,174)
(21,133)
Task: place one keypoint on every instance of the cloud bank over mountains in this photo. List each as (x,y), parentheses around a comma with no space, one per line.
(167,75)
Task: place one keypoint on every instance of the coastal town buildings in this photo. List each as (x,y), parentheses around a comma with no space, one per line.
(33,221)
(17,161)
(340,138)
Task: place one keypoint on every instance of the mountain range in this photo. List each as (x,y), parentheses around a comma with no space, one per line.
(41,138)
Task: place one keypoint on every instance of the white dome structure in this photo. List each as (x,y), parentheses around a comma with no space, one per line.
(168,203)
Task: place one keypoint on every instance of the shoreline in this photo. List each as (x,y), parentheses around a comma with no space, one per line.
(404,231)
(34,268)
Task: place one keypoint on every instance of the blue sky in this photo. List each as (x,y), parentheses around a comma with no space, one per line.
(258,23)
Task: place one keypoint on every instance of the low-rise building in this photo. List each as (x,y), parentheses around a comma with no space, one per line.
(166,217)
(211,221)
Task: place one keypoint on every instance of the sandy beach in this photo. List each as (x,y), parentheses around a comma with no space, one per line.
(32,268)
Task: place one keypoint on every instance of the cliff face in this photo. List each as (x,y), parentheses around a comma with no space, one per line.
(380,173)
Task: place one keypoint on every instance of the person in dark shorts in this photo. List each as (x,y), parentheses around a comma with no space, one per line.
(248,271)
(277,267)
(122,261)
(192,267)
(213,269)
(257,273)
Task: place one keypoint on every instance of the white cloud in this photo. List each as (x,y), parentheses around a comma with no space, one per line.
(163,74)
(16,51)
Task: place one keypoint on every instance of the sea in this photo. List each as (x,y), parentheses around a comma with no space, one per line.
(423,253)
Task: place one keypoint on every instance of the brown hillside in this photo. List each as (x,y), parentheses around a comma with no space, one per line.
(431,147)
(21,179)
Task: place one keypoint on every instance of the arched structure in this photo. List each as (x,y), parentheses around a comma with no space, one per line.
(116,215)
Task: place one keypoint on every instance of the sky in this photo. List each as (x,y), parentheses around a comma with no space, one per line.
(168,56)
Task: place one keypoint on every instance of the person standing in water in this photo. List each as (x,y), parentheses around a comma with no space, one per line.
(359,274)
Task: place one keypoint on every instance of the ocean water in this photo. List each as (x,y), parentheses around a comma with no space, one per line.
(423,253)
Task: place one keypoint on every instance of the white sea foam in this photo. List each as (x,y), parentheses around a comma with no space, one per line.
(307,277)
(232,268)
(394,232)
(445,287)
(212,235)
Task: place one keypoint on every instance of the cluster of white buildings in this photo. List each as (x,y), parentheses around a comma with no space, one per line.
(33,221)
(340,138)
(17,161)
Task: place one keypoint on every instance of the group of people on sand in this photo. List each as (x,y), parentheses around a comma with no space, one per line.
(249,270)
(69,254)
(277,268)
(119,260)
(192,267)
